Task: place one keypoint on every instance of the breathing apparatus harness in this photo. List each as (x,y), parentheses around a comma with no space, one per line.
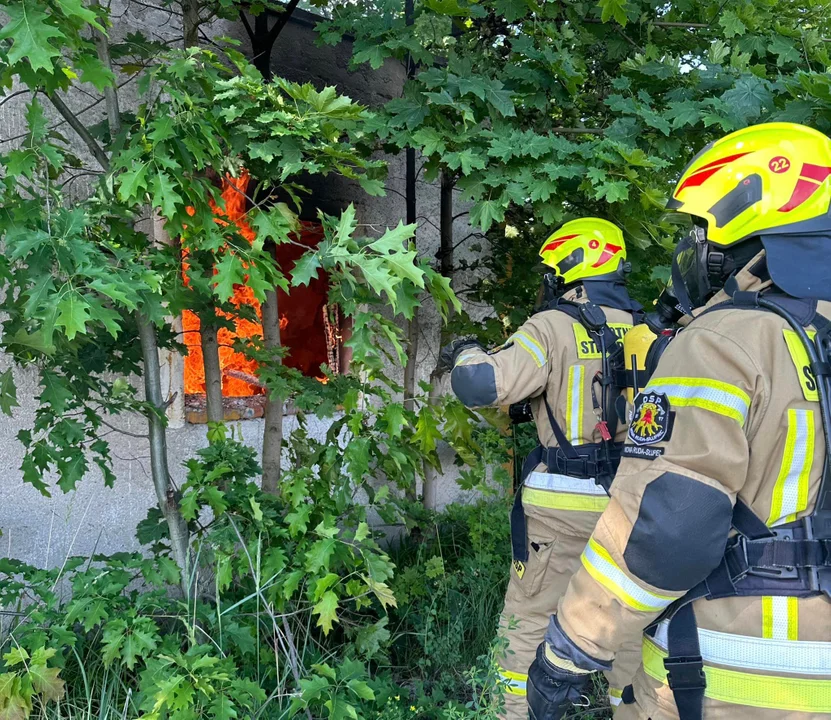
(591,460)
(793,559)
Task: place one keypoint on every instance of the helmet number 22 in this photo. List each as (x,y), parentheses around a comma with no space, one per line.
(779,164)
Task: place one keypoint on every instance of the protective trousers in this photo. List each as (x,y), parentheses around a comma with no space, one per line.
(556,539)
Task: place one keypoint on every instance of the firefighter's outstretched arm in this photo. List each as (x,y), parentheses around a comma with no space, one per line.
(514,372)
(669,517)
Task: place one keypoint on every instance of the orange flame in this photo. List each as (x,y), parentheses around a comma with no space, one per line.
(233,193)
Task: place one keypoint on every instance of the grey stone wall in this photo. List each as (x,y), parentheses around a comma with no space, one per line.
(94,518)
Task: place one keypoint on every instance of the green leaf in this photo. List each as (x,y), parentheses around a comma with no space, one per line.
(164,195)
(73,314)
(362,532)
(77,9)
(371,186)
(784,49)
(326,610)
(500,99)
(403,265)
(393,241)
(94,72)
(374,55)
(222,708)
(88,611)
(484,213)
(381,590)
(31,30)
(306,268)
(748,97)
(610,9)
(229,272)
(427,431)
(430,140)
(8,393)
(361,689)
(133,183)
(318,556)
(394,419)
(683,113)
(613,191)
(256,509)
(45,680)
(731,24)
(379,278)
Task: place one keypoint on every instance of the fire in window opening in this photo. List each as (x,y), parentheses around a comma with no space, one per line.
(309,328)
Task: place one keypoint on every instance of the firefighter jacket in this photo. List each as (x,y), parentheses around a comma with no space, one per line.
(731,413)
(553,354)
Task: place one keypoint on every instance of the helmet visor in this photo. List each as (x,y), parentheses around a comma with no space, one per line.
(690,282)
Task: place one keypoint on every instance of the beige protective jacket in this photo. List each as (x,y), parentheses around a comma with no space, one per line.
(742,421)
(550,353)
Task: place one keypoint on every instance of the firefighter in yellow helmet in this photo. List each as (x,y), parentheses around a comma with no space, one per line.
(562,359)
(717,537)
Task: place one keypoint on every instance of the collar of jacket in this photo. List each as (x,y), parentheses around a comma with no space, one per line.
(611,294)
(752,277)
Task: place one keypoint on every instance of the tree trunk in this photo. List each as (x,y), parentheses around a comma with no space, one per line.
(273,430)
(213,371)
(190,22)
(445,256)
(448,182)
(165,494)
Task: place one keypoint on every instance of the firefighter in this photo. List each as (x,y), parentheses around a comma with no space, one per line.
(556,359)
(716,538)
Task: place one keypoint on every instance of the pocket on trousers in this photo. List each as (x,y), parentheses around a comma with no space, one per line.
(539,555)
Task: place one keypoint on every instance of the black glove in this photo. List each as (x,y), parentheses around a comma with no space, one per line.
(449,353)
(552,690)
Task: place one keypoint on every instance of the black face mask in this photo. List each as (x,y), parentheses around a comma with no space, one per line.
(700,269)
(552,287)
(690,283)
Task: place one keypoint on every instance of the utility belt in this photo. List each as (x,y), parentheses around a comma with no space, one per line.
(589,463)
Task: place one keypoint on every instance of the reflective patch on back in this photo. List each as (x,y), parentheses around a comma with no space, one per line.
(799,355)
(587,348)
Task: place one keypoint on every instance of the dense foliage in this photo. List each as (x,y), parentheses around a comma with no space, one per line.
(332,593)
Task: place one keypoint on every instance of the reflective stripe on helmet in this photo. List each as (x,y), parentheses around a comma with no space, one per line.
(600,565)
(713,395)
(790,494)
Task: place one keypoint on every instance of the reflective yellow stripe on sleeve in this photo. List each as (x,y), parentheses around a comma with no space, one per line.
(515,683)
(600,565)
(574,405)
(742,688)
(530,345)
(790,494)
(615,696)
(780,617)
(713,395)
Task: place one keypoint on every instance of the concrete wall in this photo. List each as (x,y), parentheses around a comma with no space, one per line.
(97,519)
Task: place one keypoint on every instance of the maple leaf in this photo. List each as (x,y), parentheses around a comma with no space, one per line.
(31,30)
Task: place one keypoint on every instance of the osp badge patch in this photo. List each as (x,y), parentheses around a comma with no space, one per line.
(651,419)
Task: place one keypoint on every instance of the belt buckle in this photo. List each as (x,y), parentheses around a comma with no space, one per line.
(685,673)
(783,573)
